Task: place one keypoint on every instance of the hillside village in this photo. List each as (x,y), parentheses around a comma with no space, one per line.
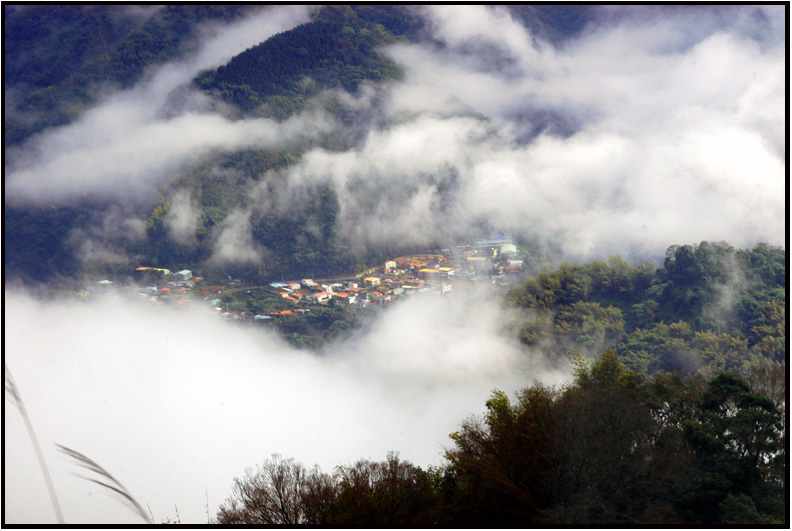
(496,261)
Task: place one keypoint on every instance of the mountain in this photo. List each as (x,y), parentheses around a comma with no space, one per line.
(554,23)
(59,59)
(337,49)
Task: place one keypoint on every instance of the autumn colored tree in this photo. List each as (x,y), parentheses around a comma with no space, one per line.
(374,494)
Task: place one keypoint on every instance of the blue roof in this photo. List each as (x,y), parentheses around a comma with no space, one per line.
(490,241)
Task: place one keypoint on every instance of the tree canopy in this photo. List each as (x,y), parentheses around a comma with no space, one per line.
(338,49)
(710,307)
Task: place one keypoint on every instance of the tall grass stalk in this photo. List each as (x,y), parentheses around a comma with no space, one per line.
(105,480)
(208,519)
(12,391)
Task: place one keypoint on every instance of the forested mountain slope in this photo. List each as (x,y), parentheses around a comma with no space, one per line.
(58,62)
(709,308)
(337,49)
(60,68)
(59,58)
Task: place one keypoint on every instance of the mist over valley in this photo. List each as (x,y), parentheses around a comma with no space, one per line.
(387,219)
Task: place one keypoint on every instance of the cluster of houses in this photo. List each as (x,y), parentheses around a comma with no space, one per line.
(490,259)
(395,278)
(159,285)
(400,277)
(178,287)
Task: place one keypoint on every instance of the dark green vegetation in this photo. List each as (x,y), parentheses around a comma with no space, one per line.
(36,242)
(612,448)
(337,49)
(59,58)
(298,243)
(711,308)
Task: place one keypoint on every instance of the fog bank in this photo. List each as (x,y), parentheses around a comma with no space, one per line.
(174,402)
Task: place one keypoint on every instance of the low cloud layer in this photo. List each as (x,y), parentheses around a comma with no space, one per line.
(116,153)
(174,402)
(183,218)
(652,127)
(641,133)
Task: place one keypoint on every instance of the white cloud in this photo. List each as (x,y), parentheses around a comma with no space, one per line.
(673,132)
(233,241)
(127,155)
(651,128)
(174,401)
(105,239)
(183,218)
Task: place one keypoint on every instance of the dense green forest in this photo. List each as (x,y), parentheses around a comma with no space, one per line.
(676,424)
(710,308)
(60,58)
(301,242)
(612,448)
(337,49)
